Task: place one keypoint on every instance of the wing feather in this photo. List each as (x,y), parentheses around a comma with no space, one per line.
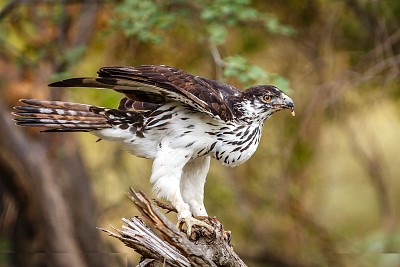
(159,84)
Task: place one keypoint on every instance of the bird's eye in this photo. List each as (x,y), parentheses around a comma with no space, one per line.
(267,98)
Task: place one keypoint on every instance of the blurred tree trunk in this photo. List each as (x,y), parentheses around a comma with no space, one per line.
(49,199)
(47,211)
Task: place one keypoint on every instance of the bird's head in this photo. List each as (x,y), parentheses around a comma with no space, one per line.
(265,100)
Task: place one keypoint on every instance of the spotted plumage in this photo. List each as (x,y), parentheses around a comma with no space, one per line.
(174,118)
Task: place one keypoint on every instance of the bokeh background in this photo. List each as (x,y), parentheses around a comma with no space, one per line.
(323,188)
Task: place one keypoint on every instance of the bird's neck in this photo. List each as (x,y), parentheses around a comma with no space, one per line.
(245,112)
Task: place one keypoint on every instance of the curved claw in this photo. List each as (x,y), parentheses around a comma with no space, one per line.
(190,222)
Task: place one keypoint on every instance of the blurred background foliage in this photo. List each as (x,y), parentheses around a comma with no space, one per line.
(323,189)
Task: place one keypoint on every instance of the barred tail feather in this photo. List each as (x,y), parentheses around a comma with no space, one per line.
(58,116)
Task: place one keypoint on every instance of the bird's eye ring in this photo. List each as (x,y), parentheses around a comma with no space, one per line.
(267,98)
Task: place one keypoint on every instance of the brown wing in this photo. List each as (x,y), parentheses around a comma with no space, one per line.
(159,84)
(128,103)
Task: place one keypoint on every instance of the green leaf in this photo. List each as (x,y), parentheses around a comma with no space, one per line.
(217,33)
(142,19)
(248,74)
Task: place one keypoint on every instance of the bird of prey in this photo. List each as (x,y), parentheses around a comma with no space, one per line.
(178,120)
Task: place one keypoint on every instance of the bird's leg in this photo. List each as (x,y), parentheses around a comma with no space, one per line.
(192,190)
(166,176)
(185,216)
(192,184)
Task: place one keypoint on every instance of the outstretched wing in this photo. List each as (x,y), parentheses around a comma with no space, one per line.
(158,84)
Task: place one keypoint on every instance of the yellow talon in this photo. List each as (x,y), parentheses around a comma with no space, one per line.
(190,222)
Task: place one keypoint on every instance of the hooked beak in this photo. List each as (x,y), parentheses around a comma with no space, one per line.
(288,103)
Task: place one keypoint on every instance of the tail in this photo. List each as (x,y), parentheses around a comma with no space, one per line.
(58,116)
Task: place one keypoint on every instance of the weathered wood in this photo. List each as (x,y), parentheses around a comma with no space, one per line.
(161,243)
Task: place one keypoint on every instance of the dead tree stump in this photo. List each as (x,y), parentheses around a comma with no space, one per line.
(161,243)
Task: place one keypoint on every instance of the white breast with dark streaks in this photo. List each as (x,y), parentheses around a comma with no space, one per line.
(196,133)
(236,144)
(173,127)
